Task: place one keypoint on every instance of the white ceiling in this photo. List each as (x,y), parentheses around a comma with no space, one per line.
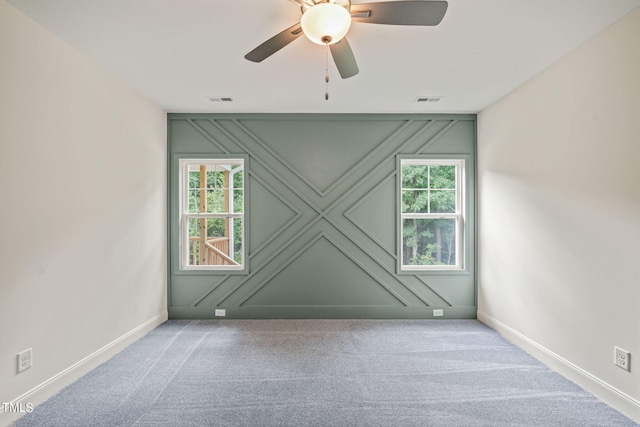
(178,53)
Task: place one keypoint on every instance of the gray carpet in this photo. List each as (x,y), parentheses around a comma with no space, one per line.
(323,373)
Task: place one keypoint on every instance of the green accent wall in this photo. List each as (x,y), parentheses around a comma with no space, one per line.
(321,216)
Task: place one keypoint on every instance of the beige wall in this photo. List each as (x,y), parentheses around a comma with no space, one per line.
(82,190)
(559,213)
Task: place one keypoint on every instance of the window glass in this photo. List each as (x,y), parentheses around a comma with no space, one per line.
(431,213)
(429,241)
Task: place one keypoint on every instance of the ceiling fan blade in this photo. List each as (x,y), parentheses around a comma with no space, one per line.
(344,59)
(275,43)
(426,13)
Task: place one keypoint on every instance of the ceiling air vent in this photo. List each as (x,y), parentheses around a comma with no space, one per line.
(422,99)
(220,99)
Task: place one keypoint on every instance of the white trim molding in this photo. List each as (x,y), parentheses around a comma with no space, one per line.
(53,385)
(604,391)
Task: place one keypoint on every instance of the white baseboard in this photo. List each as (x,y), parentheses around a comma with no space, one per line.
(601,389)
(56,383)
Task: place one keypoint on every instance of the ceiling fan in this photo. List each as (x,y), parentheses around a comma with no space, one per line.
(327,22)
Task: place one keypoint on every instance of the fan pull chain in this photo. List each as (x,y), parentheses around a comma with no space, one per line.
(326,76)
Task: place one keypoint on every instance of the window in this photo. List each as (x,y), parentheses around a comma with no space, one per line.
(431,214)
(212,214)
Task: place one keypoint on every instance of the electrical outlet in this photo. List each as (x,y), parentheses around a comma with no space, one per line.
(25,360)
(437,312)
(622,358)
(220,312)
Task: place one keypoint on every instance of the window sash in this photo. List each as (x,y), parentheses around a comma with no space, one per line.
(213,215)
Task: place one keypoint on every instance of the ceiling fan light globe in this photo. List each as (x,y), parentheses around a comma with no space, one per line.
(326,23)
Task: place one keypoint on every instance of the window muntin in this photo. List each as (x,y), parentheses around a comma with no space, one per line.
(432,214)
(212,209)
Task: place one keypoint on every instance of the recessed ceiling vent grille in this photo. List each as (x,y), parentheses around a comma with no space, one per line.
(220,99)
(423,99)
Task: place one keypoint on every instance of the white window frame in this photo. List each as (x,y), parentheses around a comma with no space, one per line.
(459,215)
(185,216)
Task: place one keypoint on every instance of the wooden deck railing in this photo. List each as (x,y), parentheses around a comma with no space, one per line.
(216,251)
